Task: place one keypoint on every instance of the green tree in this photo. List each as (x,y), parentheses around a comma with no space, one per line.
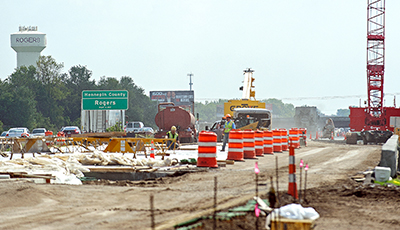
(52,90)
(280,109)
(17,100)
(141,108)
(343,112)
(77,81)
(108,83)
(208,110)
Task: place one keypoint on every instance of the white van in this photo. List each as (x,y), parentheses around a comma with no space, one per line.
(133,126)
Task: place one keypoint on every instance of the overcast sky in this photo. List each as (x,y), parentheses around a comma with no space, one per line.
(305,52)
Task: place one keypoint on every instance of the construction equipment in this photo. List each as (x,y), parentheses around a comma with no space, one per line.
(375,136)
(247,94)
(329,129)
(307,117)
(246,113)
(179,116)
(245,118)
(251,118)
(374,116)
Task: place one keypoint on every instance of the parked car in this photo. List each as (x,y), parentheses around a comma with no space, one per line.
(38,132)
(147,131)
(3,134)
(133,126)
(18,132)
(69,130)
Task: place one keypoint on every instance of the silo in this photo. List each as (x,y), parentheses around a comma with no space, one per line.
(28,43)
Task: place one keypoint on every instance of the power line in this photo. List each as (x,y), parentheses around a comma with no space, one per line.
(303,98)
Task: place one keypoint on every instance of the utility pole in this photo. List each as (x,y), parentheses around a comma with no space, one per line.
(190,82)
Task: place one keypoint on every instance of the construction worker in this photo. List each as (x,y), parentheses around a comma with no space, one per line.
(229,125)
(172,135)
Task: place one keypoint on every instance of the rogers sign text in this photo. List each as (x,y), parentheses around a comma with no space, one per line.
(28,40)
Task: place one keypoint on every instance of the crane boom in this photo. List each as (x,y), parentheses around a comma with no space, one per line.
(375,116)
(248,84)
(375,61)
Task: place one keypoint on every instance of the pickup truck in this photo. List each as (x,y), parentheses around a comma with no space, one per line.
(218,128)
(134,126)
(245,118)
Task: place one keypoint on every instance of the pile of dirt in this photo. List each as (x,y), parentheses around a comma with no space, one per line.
(350,203)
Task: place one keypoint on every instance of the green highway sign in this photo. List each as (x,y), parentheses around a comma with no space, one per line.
(105,100)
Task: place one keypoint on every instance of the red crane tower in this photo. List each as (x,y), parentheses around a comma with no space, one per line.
(374,116)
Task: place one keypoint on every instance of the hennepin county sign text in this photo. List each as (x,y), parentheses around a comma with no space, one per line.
(105,100)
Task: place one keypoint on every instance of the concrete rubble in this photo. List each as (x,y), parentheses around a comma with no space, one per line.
(68,168)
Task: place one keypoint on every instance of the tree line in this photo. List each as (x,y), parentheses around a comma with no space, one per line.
(43,96)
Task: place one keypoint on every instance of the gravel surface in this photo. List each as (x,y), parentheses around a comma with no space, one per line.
(120,205)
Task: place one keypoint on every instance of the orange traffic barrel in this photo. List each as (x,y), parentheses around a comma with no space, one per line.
(60,134)
(48,133)
(294,137)
(60,140)
(235,145)
(268,142)
(303,135)
(298,138)
(277,140)
(249,145)
(207,150)
(284,139)
(259,143)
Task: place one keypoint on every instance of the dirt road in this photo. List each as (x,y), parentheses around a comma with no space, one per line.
(42,206)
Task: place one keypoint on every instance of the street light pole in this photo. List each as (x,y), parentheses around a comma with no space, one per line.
(190,83)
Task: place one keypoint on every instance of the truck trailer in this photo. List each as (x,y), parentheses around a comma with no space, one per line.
(179,116)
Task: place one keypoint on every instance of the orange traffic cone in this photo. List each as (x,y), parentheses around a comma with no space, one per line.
(152,150)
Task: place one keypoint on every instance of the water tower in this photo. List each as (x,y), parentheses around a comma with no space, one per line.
(28,43)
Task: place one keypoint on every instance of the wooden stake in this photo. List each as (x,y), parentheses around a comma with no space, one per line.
(153,226)
(215,204)
(256,185)
(277,179)
(277,188)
